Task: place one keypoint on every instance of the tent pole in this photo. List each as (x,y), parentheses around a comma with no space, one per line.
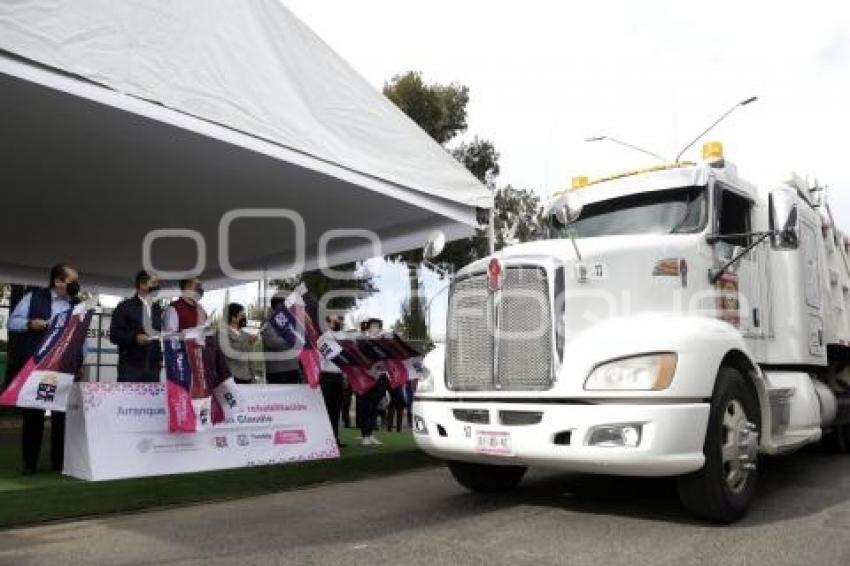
(265,288)
(491,232)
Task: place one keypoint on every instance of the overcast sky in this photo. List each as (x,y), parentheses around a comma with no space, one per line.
(545,75)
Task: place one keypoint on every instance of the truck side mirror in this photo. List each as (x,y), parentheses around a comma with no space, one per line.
(784,219)
(567,209)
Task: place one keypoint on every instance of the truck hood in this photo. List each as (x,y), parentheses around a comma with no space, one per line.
(649,247)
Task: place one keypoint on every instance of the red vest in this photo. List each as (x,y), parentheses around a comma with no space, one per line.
(187,314)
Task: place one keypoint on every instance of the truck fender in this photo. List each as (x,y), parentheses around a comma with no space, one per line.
(703,345)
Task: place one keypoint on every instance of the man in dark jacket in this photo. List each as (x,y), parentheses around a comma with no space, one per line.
(31,319)
(135,322)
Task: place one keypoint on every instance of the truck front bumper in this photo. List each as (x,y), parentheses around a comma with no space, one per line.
(671,435)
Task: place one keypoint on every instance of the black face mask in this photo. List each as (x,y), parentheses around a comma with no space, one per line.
(199,290)
(243,322)
(153,290)
(73,288)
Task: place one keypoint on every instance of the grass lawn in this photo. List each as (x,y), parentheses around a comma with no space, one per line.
(48,496)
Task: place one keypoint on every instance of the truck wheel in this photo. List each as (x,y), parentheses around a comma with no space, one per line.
(837,440)
(483,478)
(723,488)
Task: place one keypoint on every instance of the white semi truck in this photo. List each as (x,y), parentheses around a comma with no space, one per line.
(678,321)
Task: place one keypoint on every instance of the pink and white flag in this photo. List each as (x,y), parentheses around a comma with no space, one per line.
(45,381)
(200,392)
(363,360)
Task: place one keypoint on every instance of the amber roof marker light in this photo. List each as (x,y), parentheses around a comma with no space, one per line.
(713,124)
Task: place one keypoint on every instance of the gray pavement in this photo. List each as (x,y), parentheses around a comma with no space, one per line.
(801,516)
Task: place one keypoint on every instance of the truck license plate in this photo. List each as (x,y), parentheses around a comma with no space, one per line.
(494,442)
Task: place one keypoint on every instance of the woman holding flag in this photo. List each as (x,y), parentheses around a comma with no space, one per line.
(367,403)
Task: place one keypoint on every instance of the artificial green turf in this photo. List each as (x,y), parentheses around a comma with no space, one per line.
(49,496)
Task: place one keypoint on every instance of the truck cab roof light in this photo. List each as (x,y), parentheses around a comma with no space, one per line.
(712,153)
(582,182)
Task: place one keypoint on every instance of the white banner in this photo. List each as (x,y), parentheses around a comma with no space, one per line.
(120,430)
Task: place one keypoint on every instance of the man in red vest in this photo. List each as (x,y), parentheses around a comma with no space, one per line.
(186,311)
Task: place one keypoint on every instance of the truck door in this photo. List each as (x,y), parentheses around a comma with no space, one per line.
(740,290)
(810,243)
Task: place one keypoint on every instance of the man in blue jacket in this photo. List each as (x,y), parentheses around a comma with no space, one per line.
(30,320)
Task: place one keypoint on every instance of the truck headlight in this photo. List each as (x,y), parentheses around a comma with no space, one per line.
(426,381)
(652,372)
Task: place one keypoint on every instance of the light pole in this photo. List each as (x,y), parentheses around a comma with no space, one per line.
(625,144)
(708,129)
(430,301)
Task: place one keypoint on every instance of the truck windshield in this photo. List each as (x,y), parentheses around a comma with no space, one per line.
(674,211)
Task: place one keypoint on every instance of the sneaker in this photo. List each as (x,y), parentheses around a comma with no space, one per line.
(365,442)
(375,441)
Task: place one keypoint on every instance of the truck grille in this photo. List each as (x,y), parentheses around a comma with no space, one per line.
(516,356)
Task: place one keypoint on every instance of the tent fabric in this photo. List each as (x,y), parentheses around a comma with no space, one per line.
(122,117)
(252,66)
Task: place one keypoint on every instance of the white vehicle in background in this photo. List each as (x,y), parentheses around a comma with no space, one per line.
(679,322)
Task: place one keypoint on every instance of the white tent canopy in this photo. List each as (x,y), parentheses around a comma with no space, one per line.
(122,117)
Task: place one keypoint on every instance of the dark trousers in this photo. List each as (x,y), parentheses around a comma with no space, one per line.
(32,428)
(128,373)
(331,385)
(396,408)
(408,399)
(32,431)
(291,377)
(347,395)
(367,408)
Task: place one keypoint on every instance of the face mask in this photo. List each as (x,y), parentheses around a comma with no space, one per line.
(73,288)
(199,290)
(243,322)
(153,291)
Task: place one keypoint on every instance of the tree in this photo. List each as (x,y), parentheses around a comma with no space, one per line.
(357,287)
(411,324)
(480,158)
(438,109)
(518,218)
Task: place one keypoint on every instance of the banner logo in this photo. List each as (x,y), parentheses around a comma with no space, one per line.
(46,390)
(290,437)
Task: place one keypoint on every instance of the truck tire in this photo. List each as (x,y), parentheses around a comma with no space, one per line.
(483,478)
(837,440)
(721,491)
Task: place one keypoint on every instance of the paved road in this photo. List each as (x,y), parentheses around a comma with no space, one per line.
(802,516)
